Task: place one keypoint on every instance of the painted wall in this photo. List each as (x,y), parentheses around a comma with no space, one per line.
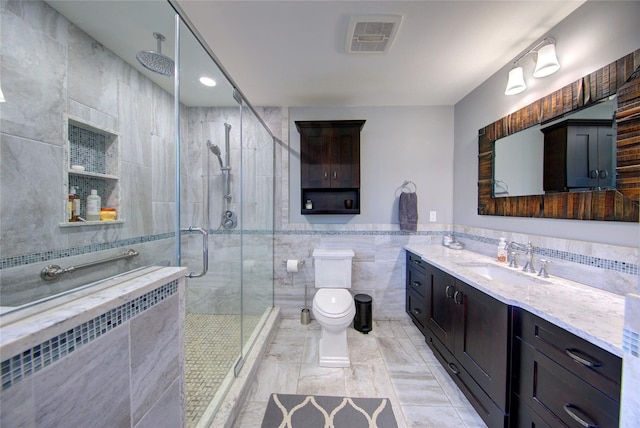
(594,35)
(397,144)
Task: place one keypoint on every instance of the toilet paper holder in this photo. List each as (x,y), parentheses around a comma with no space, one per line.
(300,263)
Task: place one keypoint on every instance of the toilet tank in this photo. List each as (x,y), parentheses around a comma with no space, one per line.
(333,268)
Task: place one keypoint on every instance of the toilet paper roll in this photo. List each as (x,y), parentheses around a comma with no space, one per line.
(292,266)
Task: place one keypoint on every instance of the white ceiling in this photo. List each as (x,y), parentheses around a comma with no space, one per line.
(292,53)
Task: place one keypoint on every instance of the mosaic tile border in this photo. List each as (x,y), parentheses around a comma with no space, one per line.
(631,342)
(25,364)
(597,262)
(26,259)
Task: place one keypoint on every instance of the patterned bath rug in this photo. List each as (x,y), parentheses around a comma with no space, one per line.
(316,411)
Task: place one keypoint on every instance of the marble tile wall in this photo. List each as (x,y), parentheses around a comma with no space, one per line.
(76,78)
(379,252)
(126,372)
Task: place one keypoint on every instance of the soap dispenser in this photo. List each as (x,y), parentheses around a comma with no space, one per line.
(502,250)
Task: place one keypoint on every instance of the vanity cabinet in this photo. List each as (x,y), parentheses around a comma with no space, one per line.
(560,379)
(469,332)
(330,166)
(579,154)
(415,291)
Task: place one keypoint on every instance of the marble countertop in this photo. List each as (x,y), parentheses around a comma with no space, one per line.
(30,326)
(592,314)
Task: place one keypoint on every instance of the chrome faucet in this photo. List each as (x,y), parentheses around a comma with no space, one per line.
(528,266)
(543,268)
(512,255)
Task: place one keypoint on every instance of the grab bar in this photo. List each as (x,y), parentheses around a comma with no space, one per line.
(52,272)
(205,251)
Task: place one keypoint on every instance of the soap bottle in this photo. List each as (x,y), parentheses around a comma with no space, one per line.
(73,205)
(93,206)
(502,250)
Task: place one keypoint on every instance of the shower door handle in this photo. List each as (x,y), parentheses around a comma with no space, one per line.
(205,251)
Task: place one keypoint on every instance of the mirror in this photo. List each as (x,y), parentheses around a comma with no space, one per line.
(503,193)
(520,165)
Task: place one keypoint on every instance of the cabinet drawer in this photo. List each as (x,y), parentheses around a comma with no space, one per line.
(593,364)
(416,280)
(415,261)
(416,309)
(556,393)
(523,417)
(486,408)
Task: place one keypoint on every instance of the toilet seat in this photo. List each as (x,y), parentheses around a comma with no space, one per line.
(333,302)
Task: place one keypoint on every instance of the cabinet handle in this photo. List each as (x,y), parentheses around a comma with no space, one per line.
(457,297)
(578,359)
(416,311)
(594,173)
(580,418)
(416,261)
(449,291)
(416,283)
(326,175)
(453,369)
(335,175)
(603,173)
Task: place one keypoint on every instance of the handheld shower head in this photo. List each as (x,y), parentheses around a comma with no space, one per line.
(216,151)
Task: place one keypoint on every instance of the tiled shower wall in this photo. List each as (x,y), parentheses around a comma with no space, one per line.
(76,77)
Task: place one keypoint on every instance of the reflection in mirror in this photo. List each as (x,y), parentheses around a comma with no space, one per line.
(519,166)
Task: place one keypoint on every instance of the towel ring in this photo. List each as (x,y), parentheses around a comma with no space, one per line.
(406,187)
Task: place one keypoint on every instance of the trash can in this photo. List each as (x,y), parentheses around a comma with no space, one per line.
(362,320)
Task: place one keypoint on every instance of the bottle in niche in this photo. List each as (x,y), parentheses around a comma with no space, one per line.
(308,205)
(502,250)
(93,206)
(73,205)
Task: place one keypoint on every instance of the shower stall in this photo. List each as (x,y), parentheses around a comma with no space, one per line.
(188,169)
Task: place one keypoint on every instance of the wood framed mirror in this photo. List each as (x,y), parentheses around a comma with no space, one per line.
(620,78)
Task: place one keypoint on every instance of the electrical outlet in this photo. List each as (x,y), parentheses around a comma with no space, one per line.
(432,216)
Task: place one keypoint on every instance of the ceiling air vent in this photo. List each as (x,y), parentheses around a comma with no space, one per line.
(372,34)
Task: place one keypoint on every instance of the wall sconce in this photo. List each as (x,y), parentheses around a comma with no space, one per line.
(546,64)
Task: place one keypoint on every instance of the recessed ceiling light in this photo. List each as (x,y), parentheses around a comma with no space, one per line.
(207,81)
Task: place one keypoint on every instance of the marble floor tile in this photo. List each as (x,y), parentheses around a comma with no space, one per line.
(416,385)
(392,361)
(400,352)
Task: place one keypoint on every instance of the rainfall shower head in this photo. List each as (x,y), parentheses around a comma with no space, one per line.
(155,60)
(216,151)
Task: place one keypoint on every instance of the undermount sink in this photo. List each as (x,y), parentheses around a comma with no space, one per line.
(505,275)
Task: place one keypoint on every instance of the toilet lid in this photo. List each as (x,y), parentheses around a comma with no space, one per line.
(333,300)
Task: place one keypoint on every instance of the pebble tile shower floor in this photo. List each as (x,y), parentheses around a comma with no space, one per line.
(212,348)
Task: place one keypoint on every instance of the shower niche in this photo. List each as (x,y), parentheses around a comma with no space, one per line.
(330,166)
(92,162)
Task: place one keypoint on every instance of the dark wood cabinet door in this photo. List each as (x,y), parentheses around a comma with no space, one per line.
(440,305)
(482,340)
(315,158)
(345,157)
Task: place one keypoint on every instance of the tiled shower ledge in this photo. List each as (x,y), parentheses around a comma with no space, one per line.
(590,313)
(38,324)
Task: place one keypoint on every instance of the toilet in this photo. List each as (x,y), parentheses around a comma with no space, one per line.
(333,306)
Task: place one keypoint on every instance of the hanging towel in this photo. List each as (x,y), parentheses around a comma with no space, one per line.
(408,212)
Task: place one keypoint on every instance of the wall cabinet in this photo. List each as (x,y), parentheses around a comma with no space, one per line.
(579,154)
(330,166)
(561,379)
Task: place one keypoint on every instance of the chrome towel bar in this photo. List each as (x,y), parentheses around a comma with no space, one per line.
(52,272)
